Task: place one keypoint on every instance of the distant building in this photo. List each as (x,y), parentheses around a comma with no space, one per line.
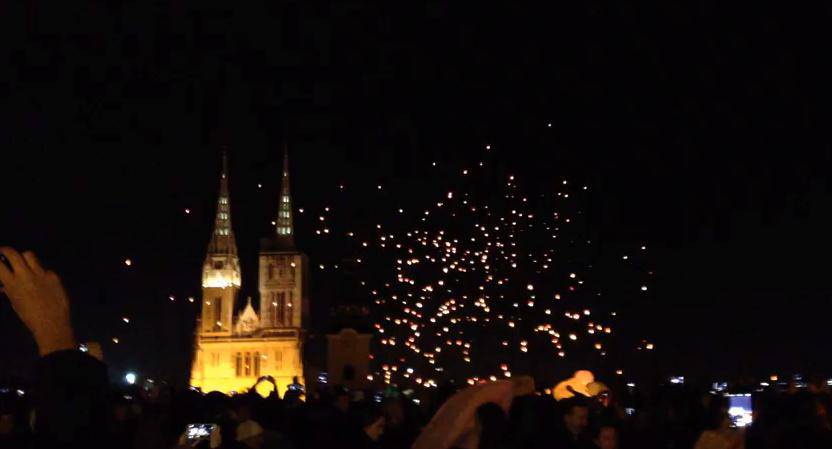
(348,358)
(233,350)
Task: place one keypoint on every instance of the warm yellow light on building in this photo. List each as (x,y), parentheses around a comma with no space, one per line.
(220,279)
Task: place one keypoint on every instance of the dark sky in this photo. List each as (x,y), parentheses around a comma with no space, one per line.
(701,127)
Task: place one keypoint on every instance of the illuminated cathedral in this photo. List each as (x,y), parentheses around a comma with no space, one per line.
(234,349)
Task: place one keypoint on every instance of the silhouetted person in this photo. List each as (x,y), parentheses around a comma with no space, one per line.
(71,404)
(605,436)
(400,425)
(575,420)
(12,435)
(718,433)
(366,425)
(293,392)
(492,424)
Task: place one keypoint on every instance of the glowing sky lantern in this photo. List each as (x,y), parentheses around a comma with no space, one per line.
(464,265)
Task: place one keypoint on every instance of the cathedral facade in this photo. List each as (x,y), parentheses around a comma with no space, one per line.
(234,349)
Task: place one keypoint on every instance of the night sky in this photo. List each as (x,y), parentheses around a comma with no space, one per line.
(702,130)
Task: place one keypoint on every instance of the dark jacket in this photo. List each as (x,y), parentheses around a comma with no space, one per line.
(71,407)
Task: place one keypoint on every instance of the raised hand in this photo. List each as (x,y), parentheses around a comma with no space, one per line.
(39,299)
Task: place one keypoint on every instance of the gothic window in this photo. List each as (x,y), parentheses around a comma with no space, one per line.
(238,364)
(281,267)
(256,364)
(290,305)
(218,265)
(223,200)
(278,360)
(247,365)
(281,306)
(223,216)
(273,310)
(271,271)
(217,314)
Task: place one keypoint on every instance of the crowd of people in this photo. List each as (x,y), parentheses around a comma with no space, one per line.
(336,417)
(72,404)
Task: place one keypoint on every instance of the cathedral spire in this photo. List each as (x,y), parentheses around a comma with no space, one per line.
(222,239)
(285,228)
(221,271)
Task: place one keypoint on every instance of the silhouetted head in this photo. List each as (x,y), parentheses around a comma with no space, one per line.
(575,415)
(605,436)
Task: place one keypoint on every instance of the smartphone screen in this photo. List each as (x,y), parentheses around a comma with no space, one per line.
(198,432)
(739,409)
